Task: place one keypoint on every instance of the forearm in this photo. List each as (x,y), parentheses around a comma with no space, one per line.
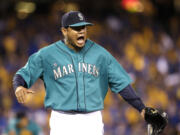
(20,88)
(131,97)
(18,81)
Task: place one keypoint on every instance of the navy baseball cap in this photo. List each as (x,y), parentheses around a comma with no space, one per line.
(74,19)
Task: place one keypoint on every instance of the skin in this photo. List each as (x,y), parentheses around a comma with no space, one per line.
(142,113)
(71,35)
(21,94)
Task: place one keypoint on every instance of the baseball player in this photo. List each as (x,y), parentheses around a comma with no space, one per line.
(76,73)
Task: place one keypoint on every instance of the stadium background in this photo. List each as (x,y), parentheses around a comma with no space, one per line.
(144,36)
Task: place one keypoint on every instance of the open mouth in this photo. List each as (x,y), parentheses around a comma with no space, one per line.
(80,39)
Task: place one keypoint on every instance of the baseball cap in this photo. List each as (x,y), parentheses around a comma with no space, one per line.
(74,19)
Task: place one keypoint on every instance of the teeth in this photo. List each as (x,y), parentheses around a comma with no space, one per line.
(80,41)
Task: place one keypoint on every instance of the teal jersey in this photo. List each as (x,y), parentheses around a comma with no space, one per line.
(75,80)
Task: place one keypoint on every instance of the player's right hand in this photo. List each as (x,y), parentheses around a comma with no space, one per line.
(21,94)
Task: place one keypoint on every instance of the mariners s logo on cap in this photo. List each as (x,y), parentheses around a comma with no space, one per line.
(74,19)
(80,16)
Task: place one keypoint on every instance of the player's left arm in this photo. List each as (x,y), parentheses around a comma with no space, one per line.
(129,95)
(119,82)
(155,119)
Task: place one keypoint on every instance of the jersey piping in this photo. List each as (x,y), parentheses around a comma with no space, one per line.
(74,74)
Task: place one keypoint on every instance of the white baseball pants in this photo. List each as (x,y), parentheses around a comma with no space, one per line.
(76,124)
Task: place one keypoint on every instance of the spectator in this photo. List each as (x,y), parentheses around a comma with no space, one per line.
(21,125)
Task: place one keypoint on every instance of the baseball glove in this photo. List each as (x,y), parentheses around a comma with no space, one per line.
(156,120)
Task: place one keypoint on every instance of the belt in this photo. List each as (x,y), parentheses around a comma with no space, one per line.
(75,112)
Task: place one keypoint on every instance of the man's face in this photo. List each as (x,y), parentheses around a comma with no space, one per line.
(75,36)
(23,122)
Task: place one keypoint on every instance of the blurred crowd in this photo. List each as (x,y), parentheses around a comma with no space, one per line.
(148,51)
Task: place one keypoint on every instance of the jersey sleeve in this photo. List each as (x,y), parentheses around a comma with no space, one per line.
(32,70)
(118,78)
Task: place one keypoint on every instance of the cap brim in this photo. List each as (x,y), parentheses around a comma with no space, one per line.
(81,24)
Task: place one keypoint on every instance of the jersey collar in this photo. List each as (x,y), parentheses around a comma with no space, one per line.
(86,47)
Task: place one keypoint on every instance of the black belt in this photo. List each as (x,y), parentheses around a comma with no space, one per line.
(75,112)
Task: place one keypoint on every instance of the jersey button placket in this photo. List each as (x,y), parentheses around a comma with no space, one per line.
(81,83)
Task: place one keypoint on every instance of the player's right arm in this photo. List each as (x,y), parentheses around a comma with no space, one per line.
(21,94)
(27,76)
(21,90)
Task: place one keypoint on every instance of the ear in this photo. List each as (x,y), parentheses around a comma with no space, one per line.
(64,31)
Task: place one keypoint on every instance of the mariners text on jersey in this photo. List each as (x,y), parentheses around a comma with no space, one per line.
(75,80)
(61,71)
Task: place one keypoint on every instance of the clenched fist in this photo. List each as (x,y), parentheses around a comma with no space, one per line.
(21,94)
